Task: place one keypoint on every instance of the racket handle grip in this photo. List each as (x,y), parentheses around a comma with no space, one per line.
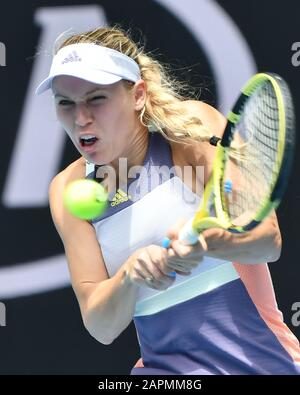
(187,235)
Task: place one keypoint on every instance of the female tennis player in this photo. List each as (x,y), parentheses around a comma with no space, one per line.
(209,308)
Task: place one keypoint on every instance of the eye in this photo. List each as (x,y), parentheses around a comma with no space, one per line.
(65,102)
(97,98)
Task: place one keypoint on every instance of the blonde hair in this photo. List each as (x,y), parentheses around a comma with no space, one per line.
(164,109)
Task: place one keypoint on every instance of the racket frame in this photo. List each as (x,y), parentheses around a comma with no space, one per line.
(214,192)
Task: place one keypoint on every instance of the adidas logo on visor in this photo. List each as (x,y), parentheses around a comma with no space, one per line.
(72,57)
(102,65)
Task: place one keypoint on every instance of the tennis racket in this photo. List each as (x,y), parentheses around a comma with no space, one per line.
(252,163)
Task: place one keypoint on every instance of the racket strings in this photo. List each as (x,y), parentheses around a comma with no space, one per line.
(253,168)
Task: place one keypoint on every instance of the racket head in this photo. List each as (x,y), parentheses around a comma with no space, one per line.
(257,150)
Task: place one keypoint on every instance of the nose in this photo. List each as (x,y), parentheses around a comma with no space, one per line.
(83,114)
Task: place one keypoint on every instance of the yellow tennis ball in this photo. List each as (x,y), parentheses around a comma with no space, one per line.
(86,199)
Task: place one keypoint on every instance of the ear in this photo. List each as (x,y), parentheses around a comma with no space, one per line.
(139,94)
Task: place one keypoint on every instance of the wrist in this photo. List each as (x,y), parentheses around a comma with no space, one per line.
(217,237)
(126,278)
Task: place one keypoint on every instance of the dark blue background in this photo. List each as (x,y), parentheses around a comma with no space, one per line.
(44,332)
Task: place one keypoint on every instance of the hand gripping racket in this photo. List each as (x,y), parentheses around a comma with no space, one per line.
(252,163)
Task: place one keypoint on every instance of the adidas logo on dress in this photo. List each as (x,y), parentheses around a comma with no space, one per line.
(72,57)
(120,197)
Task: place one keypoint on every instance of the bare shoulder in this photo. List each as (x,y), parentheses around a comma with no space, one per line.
(211,118)
(200,153)
(74,171)
(83,252)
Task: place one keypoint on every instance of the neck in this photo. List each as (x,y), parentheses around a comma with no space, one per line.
(135,156)
(136,151)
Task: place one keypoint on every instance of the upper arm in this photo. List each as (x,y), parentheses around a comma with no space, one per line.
(211,118)
(202,153)
(83,252)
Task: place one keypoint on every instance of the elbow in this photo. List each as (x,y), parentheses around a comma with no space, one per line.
(276,247)
(102,340)
(99,335)
(103,336)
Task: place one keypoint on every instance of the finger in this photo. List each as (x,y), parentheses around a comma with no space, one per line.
(183,268)
(145,269)
(161,283)
(159,259)
(146,280)
(173,266)
(182,273)
(181,249)
(156,267)
(174,262)
(190,263)
(202,242)
(185,262)
(174,230)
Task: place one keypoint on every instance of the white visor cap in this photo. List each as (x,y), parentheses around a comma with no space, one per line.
(93,63)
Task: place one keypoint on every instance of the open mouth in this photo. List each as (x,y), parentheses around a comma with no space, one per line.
(87,141)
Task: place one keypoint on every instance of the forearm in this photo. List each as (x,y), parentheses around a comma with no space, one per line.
(261,244)
(110,307)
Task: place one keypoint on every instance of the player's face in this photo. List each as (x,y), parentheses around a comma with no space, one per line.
(106,114)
